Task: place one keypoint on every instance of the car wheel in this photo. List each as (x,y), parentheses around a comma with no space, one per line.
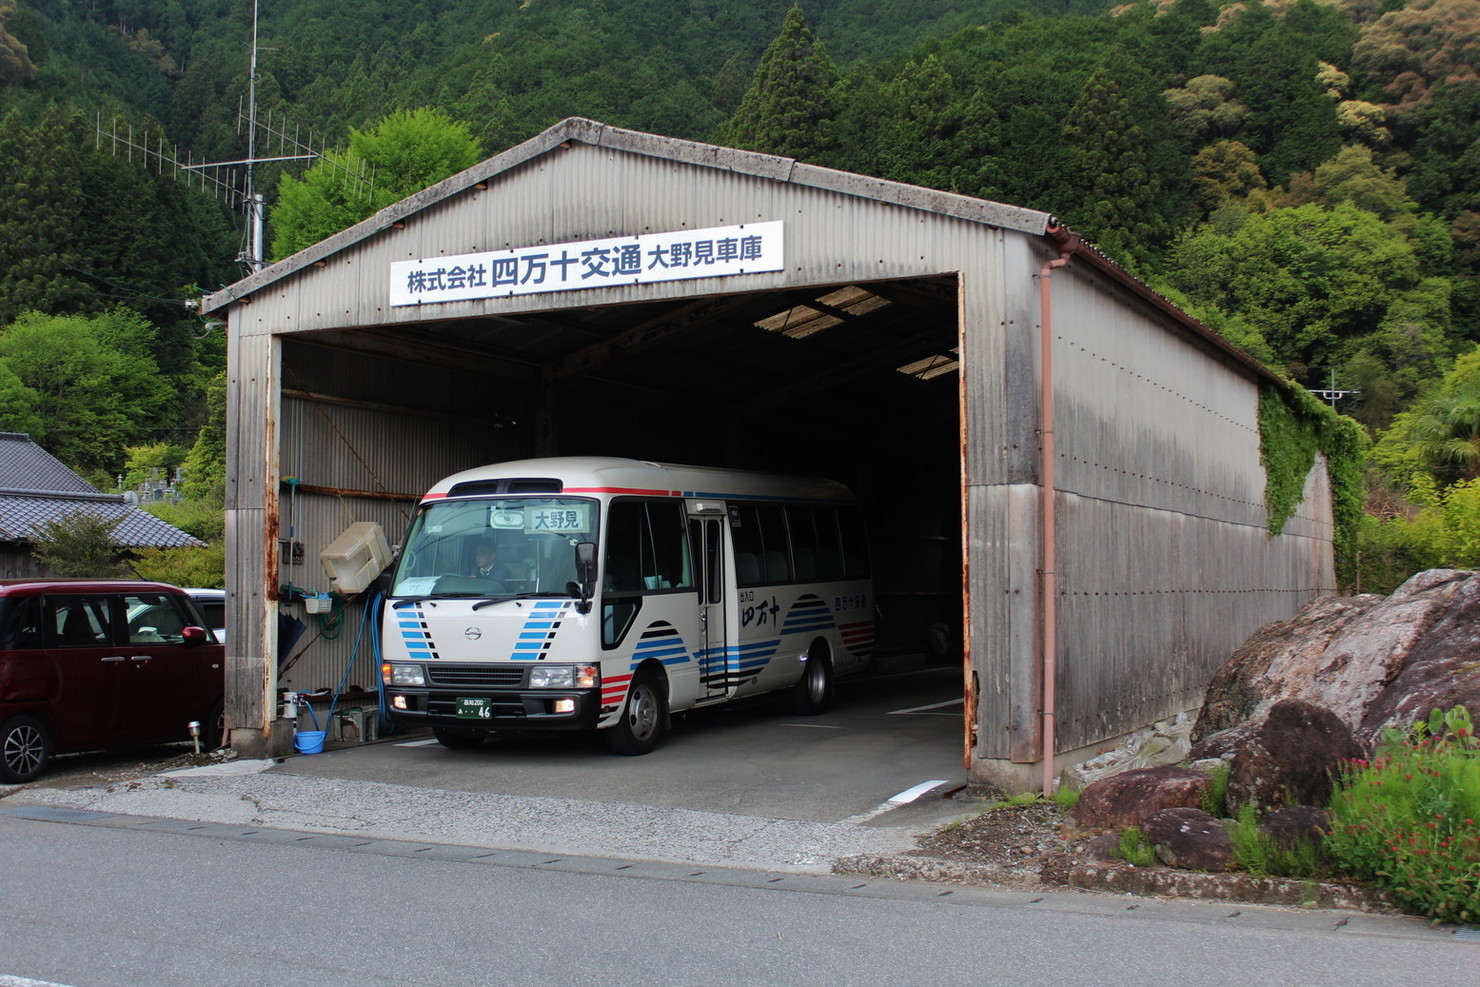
(213,728)
(458,740)
(641,725)
(25,747)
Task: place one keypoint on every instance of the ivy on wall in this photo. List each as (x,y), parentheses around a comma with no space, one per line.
(1293,426)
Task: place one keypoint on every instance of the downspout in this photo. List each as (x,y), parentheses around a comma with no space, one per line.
(1048,605)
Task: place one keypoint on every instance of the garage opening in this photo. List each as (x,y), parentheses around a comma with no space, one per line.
(856,382)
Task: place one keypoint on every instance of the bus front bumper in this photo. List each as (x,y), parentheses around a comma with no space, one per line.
(514,709)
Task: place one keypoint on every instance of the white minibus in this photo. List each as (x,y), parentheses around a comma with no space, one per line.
(587,593)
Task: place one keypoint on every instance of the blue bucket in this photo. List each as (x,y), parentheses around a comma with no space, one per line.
(309,741)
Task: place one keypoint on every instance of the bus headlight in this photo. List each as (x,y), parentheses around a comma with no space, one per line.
(396,674)
(563,677)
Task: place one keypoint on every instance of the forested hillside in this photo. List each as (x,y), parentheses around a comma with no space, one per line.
(1302,175)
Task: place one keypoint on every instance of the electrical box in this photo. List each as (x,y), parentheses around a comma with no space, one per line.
(356,557)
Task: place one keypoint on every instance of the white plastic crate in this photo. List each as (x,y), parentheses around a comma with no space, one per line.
(356,557)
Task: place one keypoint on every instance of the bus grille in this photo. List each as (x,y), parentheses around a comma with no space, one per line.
(486,675)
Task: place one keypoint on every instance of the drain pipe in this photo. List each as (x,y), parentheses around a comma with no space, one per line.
(1048,605)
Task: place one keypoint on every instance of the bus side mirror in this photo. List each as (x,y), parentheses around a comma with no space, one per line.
(586,571)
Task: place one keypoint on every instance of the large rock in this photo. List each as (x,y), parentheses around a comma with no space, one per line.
(1296,824)
(1130,798)
(1372,661)
(1289,758)
(1190,839)
(1442,671)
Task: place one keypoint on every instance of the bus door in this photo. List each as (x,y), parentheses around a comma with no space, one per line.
(707,521)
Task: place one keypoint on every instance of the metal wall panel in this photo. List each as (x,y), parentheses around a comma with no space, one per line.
(1164,562)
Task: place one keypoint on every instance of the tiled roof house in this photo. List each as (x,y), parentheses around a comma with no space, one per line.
(35,487)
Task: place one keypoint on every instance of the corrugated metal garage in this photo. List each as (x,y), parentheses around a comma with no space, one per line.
(896,348)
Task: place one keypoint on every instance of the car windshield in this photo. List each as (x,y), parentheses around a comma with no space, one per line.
(495,547)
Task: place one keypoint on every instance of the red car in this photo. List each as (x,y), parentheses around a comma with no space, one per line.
(90,664)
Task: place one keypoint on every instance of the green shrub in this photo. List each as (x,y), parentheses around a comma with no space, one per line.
(1215,800)
(1134,848)
(1408,819)
(1261,855)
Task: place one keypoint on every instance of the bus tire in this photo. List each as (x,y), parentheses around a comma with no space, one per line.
(643,716)
(813,693)
(457,740)
(25,747)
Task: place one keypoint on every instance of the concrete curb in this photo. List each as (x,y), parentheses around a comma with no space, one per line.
(1150,882)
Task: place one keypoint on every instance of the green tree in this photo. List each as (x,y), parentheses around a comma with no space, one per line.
(1445,430)
(205,464)
(97,387)
(789,103)
(15,60)
(41,217)
(155,461)
(1119,196)
(1411,50)
(1225,172)
(1316,282)
(1353,176)
(1205,110)
(79,545)
(18,405)
(407,151)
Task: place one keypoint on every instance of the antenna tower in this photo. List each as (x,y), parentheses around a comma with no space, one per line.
(235,181)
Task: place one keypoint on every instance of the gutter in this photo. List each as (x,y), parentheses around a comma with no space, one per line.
(1068,244)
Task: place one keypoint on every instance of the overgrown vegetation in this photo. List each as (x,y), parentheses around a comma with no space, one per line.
(1409,820)
(1293,428)
(79,544)
(1134,848)
(1215,798)
(1259,854)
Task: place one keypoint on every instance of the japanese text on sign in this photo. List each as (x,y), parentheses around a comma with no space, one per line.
(569,519)
(675,256)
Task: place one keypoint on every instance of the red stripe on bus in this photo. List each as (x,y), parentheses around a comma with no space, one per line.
(624,490)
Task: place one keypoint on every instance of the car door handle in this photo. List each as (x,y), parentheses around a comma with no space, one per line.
(143,657)
(113,658)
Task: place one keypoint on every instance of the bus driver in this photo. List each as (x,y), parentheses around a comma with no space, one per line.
(487,565)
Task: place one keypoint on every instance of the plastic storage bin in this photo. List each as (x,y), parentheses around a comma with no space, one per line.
(356,557)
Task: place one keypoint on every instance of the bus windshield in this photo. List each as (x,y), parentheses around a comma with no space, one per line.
(493,547)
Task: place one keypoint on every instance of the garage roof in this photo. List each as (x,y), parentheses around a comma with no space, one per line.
(800,315)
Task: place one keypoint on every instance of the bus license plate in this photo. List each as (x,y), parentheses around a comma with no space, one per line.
(475,709)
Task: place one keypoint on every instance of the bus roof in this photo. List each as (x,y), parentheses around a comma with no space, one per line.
(597,475)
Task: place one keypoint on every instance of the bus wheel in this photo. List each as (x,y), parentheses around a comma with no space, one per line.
(25,746)
(457,740)
(642,719)
(813,692)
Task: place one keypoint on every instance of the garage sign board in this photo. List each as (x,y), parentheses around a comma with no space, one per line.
(676,256)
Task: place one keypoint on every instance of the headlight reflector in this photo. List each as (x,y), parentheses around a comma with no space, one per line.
(551,677)
(564,677)
(397,674)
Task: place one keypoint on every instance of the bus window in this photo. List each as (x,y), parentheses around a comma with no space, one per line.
(817,549)
(761,553)
(647,547)
(855,543)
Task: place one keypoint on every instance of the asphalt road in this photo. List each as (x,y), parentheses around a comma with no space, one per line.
(117,904)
